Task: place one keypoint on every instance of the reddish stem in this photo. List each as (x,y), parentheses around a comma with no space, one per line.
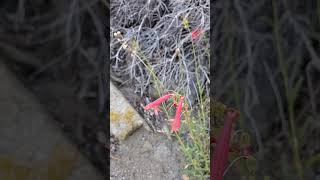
(220,156)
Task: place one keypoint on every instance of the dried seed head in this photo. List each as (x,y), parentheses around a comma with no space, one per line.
(185,23)
(117,35)
(177,51)
(124,45)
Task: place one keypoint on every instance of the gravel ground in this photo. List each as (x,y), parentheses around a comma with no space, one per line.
(146,155)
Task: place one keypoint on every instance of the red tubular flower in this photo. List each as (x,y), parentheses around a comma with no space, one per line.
(155,104)
(176,122)
(195,34)
(220,155)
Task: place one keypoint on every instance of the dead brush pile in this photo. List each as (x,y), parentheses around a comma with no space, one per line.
(157,30)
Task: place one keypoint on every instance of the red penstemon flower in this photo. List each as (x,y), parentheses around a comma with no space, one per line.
(155,104)
(195,34)
(220,155)
(176,122)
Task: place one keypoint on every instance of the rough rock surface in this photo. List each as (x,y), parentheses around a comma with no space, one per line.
(146,155)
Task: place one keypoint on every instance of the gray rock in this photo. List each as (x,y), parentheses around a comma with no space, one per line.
(123,117)
(132,161)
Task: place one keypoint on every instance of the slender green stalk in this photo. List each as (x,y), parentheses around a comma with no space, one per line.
(157,81)
(289,94)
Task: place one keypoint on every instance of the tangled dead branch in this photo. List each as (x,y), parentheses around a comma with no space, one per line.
(157,27)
